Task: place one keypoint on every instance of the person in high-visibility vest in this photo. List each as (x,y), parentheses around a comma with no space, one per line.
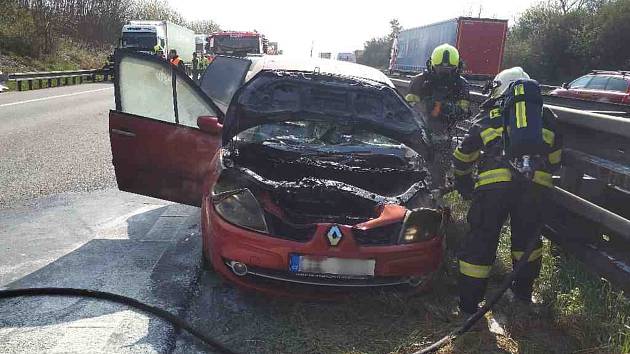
(175,60)
(203,65)
(442,96)
(195,67)
(498,191)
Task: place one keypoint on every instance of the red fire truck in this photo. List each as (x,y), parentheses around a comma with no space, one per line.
(236,43)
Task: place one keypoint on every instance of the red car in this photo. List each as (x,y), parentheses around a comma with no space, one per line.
(602,86)
(310,174)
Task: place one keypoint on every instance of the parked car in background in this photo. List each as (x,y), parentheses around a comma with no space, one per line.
(599,85)
(310,173)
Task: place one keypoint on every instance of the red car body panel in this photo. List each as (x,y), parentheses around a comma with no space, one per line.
(223,240)
(159,159)
(599,95)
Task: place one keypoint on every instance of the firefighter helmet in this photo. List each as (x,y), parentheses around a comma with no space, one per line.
(505,78)
(445,59)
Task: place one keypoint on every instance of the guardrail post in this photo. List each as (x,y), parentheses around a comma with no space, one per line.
(74,80)
(19,84)
(58,81)
(80,79)
(30,84)
(94,77)
(66,79)
(49,83)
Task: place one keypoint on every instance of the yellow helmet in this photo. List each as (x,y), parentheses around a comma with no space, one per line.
(444,56)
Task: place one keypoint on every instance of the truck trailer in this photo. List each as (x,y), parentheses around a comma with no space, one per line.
(145,35)
(480,42)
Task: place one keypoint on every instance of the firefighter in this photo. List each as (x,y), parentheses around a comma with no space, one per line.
(442,96)
(175,60)
(503,188)
(195,67)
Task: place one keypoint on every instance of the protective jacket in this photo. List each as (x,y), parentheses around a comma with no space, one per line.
(429,86)
(178,62)
(483,146)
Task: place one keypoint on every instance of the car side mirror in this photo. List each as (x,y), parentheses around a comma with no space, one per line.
(565,86)
(210,125)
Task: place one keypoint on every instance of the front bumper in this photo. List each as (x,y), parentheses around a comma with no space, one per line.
(267,258)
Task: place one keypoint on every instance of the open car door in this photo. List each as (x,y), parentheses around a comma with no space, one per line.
(157,146)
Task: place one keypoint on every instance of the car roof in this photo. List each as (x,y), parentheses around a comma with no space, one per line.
(618,74)
(324,66)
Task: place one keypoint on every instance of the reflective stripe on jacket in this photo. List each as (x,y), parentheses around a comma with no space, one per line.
(483,146)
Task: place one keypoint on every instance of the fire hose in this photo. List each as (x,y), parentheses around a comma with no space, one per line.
(102,295)
(491,301)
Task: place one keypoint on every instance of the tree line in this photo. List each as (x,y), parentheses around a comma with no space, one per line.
(34,27)
(554,40)
(559,40)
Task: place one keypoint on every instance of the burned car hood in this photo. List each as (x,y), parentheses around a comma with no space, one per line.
(275,96)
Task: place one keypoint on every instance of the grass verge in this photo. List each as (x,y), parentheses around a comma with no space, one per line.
(71,55)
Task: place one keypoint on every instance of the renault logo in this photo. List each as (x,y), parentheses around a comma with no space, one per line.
(334,235)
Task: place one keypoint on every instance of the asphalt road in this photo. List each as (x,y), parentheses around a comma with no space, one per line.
(105,240)
(54,140)
(63,223)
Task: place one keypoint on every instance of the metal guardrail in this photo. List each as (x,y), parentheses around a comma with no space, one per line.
(48,77)
(592,215)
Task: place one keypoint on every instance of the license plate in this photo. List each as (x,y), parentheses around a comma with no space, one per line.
(331,265)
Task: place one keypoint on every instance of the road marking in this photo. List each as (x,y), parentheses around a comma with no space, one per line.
(51,97)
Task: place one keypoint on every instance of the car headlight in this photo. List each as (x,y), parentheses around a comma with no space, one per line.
(241,208)
(421,225)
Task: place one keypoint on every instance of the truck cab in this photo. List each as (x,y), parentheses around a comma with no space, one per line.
(237,43)
(143,37)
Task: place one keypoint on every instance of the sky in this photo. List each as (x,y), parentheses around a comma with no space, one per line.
(337,25)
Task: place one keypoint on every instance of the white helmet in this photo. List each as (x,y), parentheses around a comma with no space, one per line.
(505,78)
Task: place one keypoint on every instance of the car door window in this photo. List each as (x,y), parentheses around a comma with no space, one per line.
(145,89)
(617,84)
(190,103)
(581,82)
(598,83)
(222,78)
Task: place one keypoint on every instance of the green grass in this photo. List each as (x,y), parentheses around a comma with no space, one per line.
(70,56)
(584,308)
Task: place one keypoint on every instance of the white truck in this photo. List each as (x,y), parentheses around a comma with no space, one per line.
(145,35)
(350,57)
(200,43)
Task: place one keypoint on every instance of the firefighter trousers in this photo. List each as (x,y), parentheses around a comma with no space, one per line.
(524,204)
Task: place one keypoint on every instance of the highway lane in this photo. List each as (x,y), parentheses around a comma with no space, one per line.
(105,240)
(64,223)
(54,140)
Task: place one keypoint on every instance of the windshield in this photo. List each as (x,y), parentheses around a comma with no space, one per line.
(228,44)
(139,40)
(316,136)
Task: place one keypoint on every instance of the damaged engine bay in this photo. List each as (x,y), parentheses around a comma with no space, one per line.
(307,172)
